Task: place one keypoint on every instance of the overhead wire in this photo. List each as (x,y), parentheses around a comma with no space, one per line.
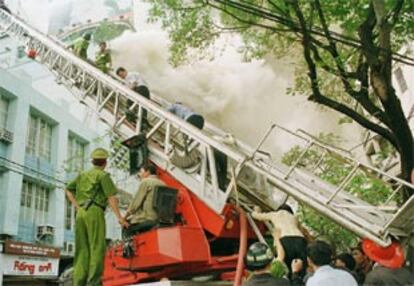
(270,15)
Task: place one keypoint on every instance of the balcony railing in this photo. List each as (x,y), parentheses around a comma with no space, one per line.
(6,135)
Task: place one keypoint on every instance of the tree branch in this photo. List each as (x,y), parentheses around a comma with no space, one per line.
(333,50)
(395,12)
(274,29)
(361,120)
(231,29)
(277,8)
(317,95)
(366,36)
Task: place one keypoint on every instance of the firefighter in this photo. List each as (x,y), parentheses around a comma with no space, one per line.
(258,260)
(103,60)
(90,193)
(139,85)
(81,45)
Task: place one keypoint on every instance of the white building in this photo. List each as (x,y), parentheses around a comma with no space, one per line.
(45,140)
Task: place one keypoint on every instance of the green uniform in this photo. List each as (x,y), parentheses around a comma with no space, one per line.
(103,60)
(141,208)
(80,48)
(90,225)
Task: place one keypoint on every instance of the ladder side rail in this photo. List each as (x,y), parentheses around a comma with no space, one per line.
(407,208)
(216,200)
(305,197)
(347,157)
(302,177)
(380,172)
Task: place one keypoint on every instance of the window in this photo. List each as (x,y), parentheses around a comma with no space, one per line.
(21,52)
(34,202)
(4,106)
(76,154)
(69,216)
(39,138)
(399,75)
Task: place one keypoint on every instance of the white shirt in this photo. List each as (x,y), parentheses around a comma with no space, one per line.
(328,276)
(134,79)
(283,220)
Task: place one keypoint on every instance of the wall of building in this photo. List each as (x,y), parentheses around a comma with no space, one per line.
(403,81)
(23,101)
(36,79)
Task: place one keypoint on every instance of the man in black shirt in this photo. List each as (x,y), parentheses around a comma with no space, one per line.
(258,259)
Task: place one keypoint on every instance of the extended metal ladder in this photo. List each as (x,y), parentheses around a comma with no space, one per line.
(258,176)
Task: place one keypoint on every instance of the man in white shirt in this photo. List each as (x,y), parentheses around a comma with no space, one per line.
(319,258)
(133,79)
(135,82)
(291,237)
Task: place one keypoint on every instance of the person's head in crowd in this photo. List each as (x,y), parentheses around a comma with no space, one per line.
(359,256)
(319,254)
(285,207)
(345,260)
(147,170)
(122,72)
(259,257)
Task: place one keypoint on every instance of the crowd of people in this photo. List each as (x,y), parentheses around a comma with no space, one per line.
(313,263)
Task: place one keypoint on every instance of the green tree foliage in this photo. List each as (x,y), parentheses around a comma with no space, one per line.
(348,49)
(334,169)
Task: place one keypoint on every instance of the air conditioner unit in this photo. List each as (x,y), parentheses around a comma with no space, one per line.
(45,233)
(6,135)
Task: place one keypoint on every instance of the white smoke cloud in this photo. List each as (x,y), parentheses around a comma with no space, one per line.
(242,98)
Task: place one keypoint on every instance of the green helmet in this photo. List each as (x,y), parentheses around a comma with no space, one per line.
(87,36)
(99,153)
(278,269)
(259,255)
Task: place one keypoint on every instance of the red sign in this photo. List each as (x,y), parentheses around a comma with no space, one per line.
(29,266)
(21,248)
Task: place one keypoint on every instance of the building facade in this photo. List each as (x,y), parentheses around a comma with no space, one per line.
(42,146)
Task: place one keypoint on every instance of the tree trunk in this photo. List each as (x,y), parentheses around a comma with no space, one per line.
(399,126)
